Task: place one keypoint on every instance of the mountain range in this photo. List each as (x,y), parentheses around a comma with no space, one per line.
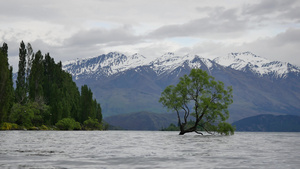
(141,121)
(133,83)
(155,121)
(269,123)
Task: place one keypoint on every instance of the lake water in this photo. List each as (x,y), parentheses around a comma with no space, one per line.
(147,149)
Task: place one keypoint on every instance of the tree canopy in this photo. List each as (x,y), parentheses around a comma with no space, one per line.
(45,94)
(20,93)
(6,84)
(198,97)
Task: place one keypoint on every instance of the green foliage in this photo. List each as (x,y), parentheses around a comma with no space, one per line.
(98,111)
(43,127)
(33,128)
(59,91)
(41,113)
(89,107)
(20,93)
(30,114)
(68,124)
(225,128)
(9,126)
(199,95)
(30,56)
(92,124)
(45,94)
(36,78)
(86,101)
(6,85)
(22,115)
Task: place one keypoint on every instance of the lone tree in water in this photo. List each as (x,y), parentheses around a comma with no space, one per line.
(200,96)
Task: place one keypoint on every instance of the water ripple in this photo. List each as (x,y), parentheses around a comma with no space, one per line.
(147,149)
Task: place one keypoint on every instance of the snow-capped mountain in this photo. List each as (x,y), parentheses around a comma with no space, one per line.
(258,65)
(133,83)
(169,62)
(107,65)
(113,63)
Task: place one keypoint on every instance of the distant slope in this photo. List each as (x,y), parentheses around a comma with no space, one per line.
(142,121)
(269,123)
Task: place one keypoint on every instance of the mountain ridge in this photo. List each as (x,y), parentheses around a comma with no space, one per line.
(115,62)
(154,121)
(142,120)
(269,123)
(125,84)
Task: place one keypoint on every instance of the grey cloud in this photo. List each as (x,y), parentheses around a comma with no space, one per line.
(288,37)
(285,43)
(282,47)
(269,6)
(273,9)
(220,23)
(102,36)
(30,9)
(293,13)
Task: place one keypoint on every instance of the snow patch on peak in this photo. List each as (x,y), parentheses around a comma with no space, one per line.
(114,62)
(168,62)
(258,65)
(239,60)
(106,64)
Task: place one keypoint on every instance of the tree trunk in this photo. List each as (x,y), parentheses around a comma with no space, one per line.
(183,131)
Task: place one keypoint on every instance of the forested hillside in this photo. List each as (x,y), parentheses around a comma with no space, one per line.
(45,95)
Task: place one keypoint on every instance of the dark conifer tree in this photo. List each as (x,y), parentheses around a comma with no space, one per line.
(6,84)
(86,102)
(36,78)
(60,92)
(21,79)
(47,92)
(98,111)
(11,91)
(30,57)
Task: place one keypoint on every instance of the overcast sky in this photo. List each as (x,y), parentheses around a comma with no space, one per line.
(70,29)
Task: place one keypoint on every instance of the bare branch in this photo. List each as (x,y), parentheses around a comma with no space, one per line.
(178,115)
(198,132)
(209,132)
(187,112)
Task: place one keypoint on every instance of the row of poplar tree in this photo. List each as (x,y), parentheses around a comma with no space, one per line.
(44,93)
